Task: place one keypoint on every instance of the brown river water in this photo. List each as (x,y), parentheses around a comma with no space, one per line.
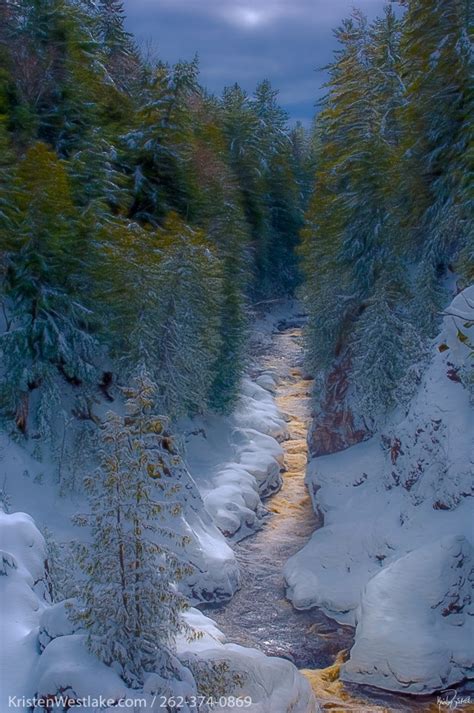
(259,615)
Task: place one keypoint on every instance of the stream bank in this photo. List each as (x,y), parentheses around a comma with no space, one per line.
(259,615)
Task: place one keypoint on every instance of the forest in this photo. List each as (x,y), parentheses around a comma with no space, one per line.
(145,226)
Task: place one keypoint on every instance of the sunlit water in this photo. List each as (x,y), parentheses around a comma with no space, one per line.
(259,615)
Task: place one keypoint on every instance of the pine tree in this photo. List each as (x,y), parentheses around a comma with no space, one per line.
(437,145)
(130,606)
(48,326)
(239,125)
(229,232)
(116,43)
(352,232)
(160,143)
(387,354)
(187,338)
(172,308)
(338,238)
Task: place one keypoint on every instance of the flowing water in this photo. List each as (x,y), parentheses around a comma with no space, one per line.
(259,615)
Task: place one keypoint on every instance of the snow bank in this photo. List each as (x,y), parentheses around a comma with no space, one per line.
(66,668)
(43,656)
(272,684)
(236,461)
(417,643)
(384,498)
(21,573)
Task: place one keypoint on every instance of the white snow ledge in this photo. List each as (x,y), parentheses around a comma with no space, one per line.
(422,643)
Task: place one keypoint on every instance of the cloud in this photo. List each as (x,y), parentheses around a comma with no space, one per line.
(285,41)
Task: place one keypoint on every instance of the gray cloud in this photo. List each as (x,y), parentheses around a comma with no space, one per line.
(286,41)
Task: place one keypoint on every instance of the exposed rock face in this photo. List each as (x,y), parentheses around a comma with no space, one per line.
(334,427)
(417,643)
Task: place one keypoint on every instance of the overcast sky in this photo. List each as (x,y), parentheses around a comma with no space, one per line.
(245,41)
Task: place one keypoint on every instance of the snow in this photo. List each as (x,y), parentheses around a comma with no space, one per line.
(404,489)
(43,655)
(236,460)
(55,622)
(234,463)
(430,646)
(31,485)
(274,685)
(22,559)
(66,667)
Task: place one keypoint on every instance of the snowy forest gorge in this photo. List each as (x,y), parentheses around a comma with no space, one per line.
(236,374)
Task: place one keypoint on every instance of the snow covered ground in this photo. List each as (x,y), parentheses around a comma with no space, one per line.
(44,656)
(233,463)
(394,556)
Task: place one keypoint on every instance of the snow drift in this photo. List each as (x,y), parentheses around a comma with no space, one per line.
(430,647)
(21,583)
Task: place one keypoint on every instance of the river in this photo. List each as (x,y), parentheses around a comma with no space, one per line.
(259,615)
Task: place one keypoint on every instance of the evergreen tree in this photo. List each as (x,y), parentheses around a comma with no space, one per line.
(387,354)
(187,339)
(352,231)
(160,143)
(437,143)
(390,209)
(229,232)
(151,183)
(130,606)
(48,326)
(172,308)
(116,43)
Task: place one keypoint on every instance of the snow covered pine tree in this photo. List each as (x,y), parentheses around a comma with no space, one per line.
(130,605)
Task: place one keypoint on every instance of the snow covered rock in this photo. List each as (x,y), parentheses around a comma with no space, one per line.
(271,684)
(22,559)
(422,643)
(66,669)
(215,575)
(257,409)
(266,381)
(54,622)
(236,461)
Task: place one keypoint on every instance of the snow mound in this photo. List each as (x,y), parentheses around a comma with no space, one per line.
(55,622)
(236,461)
(22,559)
(66,668)
(44,657)
(257,410)
(401,490)
(273,685)
(417,643)
(267,381)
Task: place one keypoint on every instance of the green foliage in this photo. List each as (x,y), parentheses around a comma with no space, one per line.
(215,678)
(129,604)
(143,217)
(47,325)
(390,210)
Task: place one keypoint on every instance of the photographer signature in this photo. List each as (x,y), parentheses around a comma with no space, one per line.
(452,700)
